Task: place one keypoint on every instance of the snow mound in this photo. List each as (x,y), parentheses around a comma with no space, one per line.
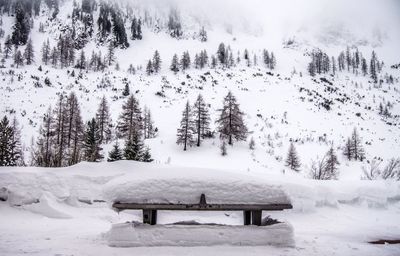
(138,234)
(48,206)
(150,184)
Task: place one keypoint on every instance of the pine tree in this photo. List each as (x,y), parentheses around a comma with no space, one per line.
(8,47)
(231,124)
(10,151)
(201,118)
(187,129)
(134,148)
(185,61)
(156,62)
(29,53)
(272,63)
(149,68)
(43,154)
(364,66)
(373,67)
(46,51)
(252,144)
(130,120)
(292,160)
(81,64)
(148,124)
(175,64)
(103,120)
(221,54)
(147,156)
(115,154)
(356,146)
(331,166)
(347,150)
(91,143)
(18,59)
(110,54)
(203,35)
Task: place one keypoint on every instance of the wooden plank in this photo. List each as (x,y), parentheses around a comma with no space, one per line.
(202,207)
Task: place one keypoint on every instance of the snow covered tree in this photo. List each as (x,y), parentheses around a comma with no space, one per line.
(81,63)
(185,61)
(356,146)
(43,153)
(21,28)
(149,130)
(110,54)
(91,143)
(252,144)
(46,51)
(272,63)
(373,67)
(156,62)
(130,120)
(174,24)
(334,68)
(115,154)
(187,129)
(29,53)
(149,68)
(292,160)
(201,118)
(347,150)
(10,148)
(221,54)
(136,29)
(18,59)
(331,166)
(364,66)
(134,148)
(60,132)
(103,120)
(392,170)
(175,64)
(8,47)
(146,157)
(230,123)
(203,35)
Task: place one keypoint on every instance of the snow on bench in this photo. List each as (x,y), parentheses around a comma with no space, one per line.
(200,190)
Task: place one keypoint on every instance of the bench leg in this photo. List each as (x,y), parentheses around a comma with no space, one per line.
(247,217)
(256,217)
(150,217)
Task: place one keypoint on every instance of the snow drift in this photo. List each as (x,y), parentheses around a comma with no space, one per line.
(137,234)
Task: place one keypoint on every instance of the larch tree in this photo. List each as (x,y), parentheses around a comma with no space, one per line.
(331,166)
(43,153)
(187,129)
(201,118)
(230,123)
(29,53)
(103,119)
(356,146)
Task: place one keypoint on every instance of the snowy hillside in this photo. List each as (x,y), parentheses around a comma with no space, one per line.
(307,92)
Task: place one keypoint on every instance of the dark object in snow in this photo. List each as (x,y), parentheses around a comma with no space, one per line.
(385,241)
(252,213)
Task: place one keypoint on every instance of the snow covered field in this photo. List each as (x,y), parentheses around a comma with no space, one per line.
(55,217)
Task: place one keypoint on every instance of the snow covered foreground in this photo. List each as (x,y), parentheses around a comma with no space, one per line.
(61,211)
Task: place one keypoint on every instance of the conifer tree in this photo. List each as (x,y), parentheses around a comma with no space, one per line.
(29,53)
(8,47)
(74,129)
(103,120)
(91,143)
(18,58)
(292,160)
(201,118)
(156,62)
(230,123)
(149,68)
(81,64)
(10,151)
(60,131)
(46,51)
(134,148)
(356,146)
(147,156)
(331,166)
(115,154)
(130,120)
(223,148)
(175,64)
(43,153)
(347,151)
(148,125)
(110,54)
(187,129)
(203,35)
(185,61)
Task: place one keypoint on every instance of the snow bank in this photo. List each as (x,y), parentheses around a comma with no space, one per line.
(137,234)
(185,185)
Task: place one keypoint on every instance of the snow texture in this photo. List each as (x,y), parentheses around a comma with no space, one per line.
(138,234)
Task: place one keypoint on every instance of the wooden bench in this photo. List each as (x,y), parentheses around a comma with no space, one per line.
(252,213)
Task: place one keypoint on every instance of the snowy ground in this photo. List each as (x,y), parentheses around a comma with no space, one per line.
(329,218)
